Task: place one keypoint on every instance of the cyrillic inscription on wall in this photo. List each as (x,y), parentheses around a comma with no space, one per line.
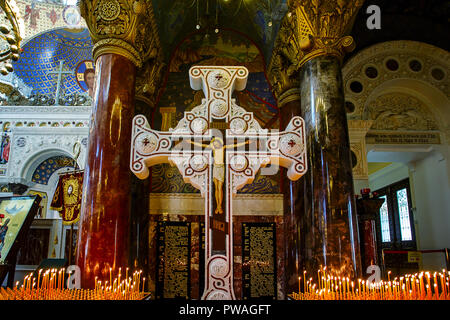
(403,138)
(174,245)
(259,261)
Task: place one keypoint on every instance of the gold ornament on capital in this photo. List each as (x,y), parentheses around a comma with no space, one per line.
(124,27)
(312,28)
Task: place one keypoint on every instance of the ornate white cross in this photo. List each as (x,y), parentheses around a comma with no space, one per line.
(225,165)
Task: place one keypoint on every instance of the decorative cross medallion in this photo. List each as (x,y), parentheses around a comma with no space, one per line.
(221,166)
(60,73)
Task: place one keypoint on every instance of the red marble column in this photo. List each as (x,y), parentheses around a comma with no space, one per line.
(103,240)
(368,211)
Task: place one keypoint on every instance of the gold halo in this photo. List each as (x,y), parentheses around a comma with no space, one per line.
(214,139)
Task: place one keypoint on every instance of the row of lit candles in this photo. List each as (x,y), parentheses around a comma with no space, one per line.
(49,285)
(418,286)
(128,288)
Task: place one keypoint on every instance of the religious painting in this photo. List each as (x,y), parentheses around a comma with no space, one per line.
(5,148)
(226,48)
(85,75)
(16,215)
(35,249)
(32,14)
(42,211)
(70,247)
(39,64)
(71,16)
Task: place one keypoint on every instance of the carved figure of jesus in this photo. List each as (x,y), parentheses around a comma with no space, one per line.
(217,147)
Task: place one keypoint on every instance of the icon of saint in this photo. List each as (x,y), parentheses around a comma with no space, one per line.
(89,78)
(3,231)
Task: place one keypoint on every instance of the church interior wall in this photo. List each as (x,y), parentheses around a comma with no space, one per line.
(431,189)
(395,85)
(430,205)
(266,209)
(260,202)
(171,199)
(386,176)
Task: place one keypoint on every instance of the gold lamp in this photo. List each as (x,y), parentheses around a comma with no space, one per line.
(11,25)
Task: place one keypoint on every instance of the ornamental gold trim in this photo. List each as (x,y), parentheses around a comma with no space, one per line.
(125,27)
(310,29)
(119,47)
(289,95)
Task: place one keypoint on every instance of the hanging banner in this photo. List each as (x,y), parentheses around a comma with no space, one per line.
(67,197)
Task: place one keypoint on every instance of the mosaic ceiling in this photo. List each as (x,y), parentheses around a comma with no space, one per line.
(257,19)
(43,53)
(44,171)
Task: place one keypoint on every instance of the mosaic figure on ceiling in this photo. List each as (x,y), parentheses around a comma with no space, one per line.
(32,13)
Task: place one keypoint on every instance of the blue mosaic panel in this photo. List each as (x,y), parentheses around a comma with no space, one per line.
(42,54)
(257,84)
(44,171)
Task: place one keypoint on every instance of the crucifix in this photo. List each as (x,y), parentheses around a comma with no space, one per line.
(61,72)
(236,149)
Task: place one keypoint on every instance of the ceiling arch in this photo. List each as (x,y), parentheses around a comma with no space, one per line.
(43,53)
(404,67)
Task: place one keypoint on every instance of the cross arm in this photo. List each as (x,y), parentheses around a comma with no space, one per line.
(151,147)
(288,148)
(148,147)
(237,145)
(197,143)
(285,149)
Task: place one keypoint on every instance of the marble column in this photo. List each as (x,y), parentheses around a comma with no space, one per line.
(329,235)
(321,226)
(103,239)
(289,104)
(125,37)
(140,200)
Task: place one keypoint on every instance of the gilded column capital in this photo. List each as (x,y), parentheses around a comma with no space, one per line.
(283,73)
(148,80)
(315,28)
(124,27)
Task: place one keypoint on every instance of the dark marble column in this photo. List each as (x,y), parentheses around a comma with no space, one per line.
(328,226)
(103,240)
(289,104)
(140,208)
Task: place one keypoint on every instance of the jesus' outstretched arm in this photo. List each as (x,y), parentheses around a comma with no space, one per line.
(237,145)
(197,143)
